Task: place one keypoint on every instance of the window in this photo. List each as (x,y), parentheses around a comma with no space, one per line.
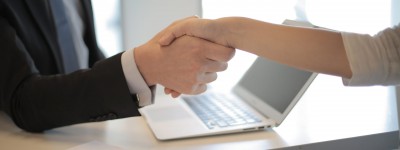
(360,16)
(265,10)
(108,25)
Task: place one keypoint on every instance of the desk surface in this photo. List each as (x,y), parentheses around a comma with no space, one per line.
(328,112)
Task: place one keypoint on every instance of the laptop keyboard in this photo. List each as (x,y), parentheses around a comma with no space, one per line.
(217,110)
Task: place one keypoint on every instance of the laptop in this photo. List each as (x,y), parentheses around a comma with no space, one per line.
(262,98)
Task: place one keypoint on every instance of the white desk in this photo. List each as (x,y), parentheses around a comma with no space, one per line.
(329,116)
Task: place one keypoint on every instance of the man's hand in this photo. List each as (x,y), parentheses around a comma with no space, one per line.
(191,26)
(185,66)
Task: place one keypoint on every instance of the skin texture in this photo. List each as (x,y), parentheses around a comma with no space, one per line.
(185,66)
(310,49)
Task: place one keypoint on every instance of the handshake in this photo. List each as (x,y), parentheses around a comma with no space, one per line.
(184,57)
(187,54)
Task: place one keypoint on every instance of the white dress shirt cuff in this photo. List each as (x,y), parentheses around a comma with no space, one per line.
(136,83)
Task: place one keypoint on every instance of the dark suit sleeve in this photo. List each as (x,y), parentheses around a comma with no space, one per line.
(38,102)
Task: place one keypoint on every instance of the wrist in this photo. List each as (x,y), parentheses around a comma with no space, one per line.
(229,30)
(142,56)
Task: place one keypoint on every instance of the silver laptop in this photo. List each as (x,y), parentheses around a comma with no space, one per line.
(262,98)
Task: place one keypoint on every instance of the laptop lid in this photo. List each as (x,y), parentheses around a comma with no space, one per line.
(273,88)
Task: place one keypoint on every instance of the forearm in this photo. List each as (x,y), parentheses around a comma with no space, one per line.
(38,103)
(310,49)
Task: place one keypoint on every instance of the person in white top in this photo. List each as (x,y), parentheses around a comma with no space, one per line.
(360,59)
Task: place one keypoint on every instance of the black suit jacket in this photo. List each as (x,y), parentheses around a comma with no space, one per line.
(35,93)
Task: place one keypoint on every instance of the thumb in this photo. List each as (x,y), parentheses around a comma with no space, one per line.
(176,30)
(167,38)
(173,33)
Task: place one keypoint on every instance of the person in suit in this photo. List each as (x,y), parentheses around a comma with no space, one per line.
(53,73)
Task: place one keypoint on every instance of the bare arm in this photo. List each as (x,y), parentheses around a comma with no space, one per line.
(309,49)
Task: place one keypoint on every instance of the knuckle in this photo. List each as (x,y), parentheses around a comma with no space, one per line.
(194,80)
(188,89)
(193,89)
(232,53)
(196,67)
(199,66)
(229,54)
(202,89)
(219,66)
(214,77)
(224,66)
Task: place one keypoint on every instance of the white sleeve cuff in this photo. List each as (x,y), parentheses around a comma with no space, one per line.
(135,81)
(362,59)
(374,60)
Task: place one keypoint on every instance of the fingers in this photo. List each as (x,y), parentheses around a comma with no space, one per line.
(174,94)
(207,77)
(168,38)
(188,64)
(201,88)
(167,91)
(219,53)
(218,56)
(198,88)
(215,66)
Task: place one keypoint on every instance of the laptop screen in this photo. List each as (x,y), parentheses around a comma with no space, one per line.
(275,84)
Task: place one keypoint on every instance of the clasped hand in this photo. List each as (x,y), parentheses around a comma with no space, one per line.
(185,65)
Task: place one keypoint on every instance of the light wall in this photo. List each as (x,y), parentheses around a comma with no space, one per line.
(396,21)
(395,12)
(142,19)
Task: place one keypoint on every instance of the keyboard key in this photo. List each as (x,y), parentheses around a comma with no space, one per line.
(219,111)
(222,123)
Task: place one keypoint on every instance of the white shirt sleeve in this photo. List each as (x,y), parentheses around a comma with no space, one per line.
(136,84)
(374,60)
